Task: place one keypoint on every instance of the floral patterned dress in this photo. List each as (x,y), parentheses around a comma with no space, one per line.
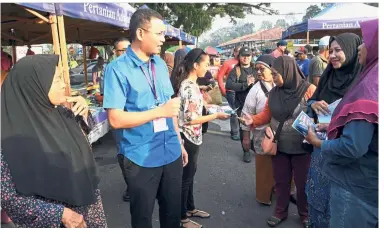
(191,108)
(38,212)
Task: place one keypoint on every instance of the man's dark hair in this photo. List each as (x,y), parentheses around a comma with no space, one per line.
(139,19)
(309,49)
(267,51)
(118,40)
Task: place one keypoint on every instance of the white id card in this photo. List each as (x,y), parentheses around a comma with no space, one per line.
(160,125)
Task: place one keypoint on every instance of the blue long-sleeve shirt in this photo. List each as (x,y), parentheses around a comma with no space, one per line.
(351,161)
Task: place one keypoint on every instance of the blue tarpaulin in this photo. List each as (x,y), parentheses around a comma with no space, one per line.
(188,38)
(336,18)
(45,7)
(172,32)
(343,16)
(109,13)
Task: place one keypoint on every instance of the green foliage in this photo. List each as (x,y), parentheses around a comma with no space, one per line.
(266,25)
(282,24)
(226,34)
(197,18)
(373,4)
(312,11)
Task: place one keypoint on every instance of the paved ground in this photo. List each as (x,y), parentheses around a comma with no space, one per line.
(224,185)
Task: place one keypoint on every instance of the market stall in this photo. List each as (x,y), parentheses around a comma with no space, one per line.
(31,23)
(335,19)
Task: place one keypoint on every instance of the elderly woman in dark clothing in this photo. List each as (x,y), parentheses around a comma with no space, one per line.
(351,152)
(49,177)
(341,73)
(285,103)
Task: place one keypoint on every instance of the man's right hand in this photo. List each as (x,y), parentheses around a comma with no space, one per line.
(171,108)
(71,219)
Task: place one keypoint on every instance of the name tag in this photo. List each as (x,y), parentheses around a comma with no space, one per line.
(160,125)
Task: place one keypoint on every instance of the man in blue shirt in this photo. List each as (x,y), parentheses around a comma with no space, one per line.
(137,95)
(303,61)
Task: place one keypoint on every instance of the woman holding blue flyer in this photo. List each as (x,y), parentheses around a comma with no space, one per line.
(351,151)
(341,73)
(286,101)
(194,65)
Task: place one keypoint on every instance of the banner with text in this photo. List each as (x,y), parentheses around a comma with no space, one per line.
(110,13)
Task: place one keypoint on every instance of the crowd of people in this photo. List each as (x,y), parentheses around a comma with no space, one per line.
(157,113)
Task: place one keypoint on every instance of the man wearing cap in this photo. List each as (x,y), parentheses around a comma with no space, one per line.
(223,73)
(319,62)
(279,51)
(303,61)
(241,80)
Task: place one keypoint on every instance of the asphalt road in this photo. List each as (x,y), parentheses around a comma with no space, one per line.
(224,185)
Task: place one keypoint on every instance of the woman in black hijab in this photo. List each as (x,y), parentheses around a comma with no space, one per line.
(341,73)
(285,103)
(49,177)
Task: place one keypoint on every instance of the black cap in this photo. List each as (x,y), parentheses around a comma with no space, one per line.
(245,51)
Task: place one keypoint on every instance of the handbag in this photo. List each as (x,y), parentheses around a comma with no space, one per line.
(207,98)
(216,97)
(268,144)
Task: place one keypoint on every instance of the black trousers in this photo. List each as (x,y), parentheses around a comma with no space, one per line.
(189,171)
(120,159)
(146,184)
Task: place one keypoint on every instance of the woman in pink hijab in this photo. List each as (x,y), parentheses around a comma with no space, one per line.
(351,151)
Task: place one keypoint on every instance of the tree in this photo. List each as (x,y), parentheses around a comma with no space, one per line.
(312,10)
(325,5)
(228,33)
(281,23)
(291,19)
(196,18)
(245,29)
(266,25)
(373,4)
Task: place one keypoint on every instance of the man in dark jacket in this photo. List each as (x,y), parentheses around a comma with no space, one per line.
(241,80)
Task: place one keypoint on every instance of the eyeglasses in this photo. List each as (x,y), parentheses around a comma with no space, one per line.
(122,50)
(261,69)
(160,34)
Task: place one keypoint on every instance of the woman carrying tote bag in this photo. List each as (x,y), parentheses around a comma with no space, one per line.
(285,103)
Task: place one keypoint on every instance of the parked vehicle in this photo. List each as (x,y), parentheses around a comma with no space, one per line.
(77,76)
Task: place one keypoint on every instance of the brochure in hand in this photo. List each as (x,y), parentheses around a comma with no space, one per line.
(327,118)
(226,109)
(301,125)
